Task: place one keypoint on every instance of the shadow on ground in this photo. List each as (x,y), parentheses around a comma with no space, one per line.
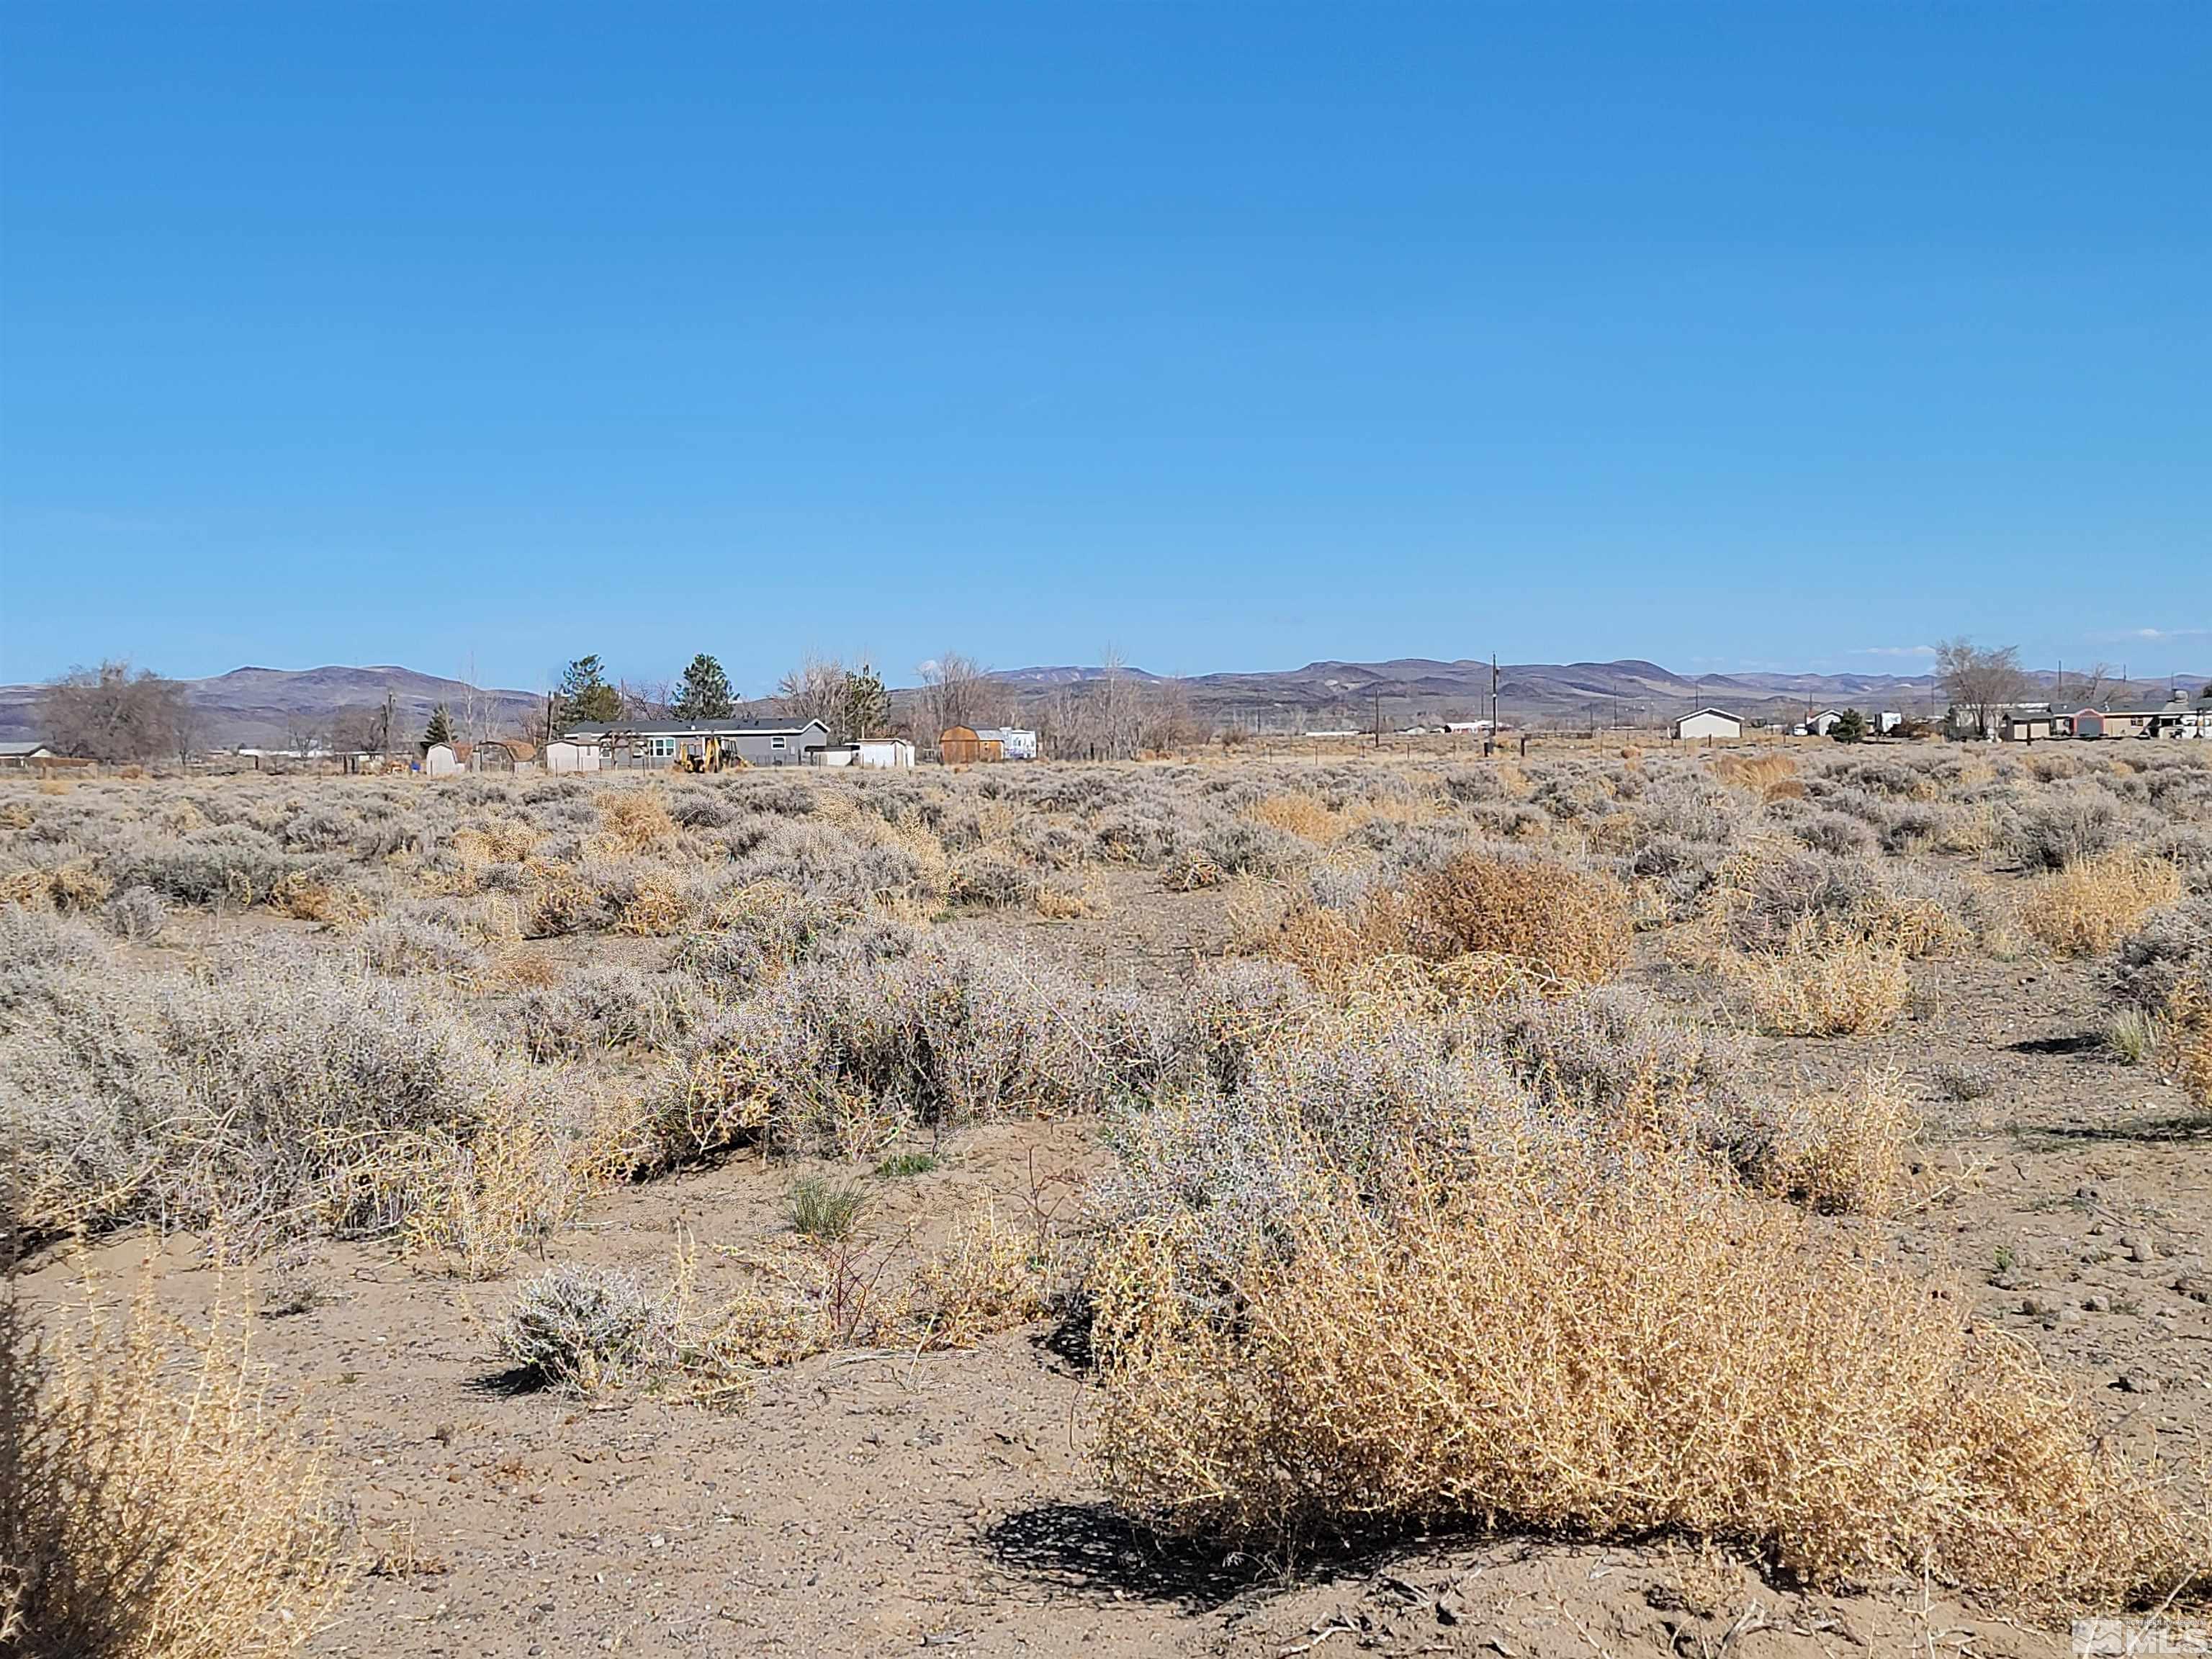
(1086,1547)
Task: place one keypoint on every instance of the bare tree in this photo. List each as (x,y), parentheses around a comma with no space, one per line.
(185,732)
(110,713)
(1113,710)
(817,690)
(1165,721)
(2086,687)
(303,732)
(956,690)
(358,729)
(644,701)
(1979,681)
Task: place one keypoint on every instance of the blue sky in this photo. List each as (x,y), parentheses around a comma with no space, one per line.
(1234,335)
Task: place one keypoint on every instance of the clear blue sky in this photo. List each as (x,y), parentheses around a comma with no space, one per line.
(1236,336)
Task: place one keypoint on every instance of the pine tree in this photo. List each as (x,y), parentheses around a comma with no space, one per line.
(703,694)
(1850,726)
(441,729)
(867,705)
(585,697)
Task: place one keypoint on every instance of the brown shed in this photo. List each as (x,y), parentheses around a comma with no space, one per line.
(502,754)
(958,745)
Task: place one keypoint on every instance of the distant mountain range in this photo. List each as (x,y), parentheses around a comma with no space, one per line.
(273,708)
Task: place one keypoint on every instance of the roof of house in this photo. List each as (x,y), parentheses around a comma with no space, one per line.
(1723,713)
(697,729)
(23,751)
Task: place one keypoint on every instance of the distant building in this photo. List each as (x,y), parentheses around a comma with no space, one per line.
(2024,725)
(2174,717)
(889,754)
(1708,723)
(1015,742)
(503,755)
(1817,725)
(1891,719)
(562,755)
(25,754)
(710,746)
(961,745)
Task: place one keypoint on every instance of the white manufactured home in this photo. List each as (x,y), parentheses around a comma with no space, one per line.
(1709,723)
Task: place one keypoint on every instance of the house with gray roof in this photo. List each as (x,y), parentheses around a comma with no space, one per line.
(704,745)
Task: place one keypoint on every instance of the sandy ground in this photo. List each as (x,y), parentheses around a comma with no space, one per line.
(886,1503)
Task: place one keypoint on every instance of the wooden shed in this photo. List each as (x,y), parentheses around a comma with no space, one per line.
(958,745)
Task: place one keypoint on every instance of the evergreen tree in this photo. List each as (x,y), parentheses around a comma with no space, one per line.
(585,697)
(867,705)
(441,729)
(704,692)
(1850,726)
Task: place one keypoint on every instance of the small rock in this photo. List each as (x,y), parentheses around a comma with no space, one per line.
(2195,1287)
(2097,1304)
(2136,1382)
(2096,1230)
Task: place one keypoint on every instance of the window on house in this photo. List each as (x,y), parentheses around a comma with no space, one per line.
(662,748)
(775,743)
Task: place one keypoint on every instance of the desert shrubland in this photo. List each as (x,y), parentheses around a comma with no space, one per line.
(1474,1155)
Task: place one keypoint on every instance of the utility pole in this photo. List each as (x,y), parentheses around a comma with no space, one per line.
(1493,694)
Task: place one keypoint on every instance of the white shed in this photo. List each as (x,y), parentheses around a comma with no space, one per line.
(572,757)
(1709,723)
(894,753)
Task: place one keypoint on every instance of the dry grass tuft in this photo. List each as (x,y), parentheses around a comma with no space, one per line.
(636,820)
(1762,775)
(657,907)
(2189,1017)
(1825,981)
(307,900)
(1548,923)
(72,885)
(1303,816)
(1606,1355)
(1066,900)
(1847,1150)
(990,1277)
(2088,906)
(153,1505)
(1564,923)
